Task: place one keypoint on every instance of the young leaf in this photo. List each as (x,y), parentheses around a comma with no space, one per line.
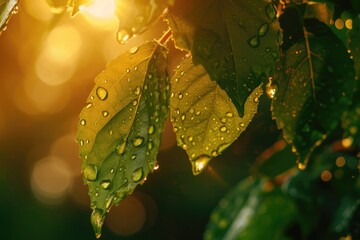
(136,16)
(236,41)
(120,127)
(205,120)
(250,212)
(314,87)
(6,10)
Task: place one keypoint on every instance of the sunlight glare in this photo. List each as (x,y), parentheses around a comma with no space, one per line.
(101,13)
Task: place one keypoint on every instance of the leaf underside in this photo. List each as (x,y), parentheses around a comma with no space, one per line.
(236,41)
(205,120)
(6,9)
(120,127)
(314,83)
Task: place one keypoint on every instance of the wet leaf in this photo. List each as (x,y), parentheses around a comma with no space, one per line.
(314,84)
(205,119)
(135,16)
(251,212)
(120,127)
(236,41)
(7,9)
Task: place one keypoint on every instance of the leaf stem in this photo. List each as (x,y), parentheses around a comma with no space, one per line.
(310,63)
(165,37)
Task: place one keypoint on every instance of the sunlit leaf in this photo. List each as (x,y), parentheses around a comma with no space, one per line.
(205,120)
(120,127)
(251,212)
(7,9)
(314,85)
(135,16)
(236,41)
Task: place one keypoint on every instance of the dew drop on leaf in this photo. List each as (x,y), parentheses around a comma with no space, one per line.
(263,29)
(82,122)
(101,93)
(151,129)
(89,105)
(137,175)
(223,129)
(120,149)
(105,184)
(229,114)
(133,50)
(138,141)
(105,113)
(137,91)
(90,172)
(254,41)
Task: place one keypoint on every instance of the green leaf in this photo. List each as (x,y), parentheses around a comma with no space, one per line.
(7,9)
(314,86)
(136,16)
(120,127)
(251,212)
(236,41)
(205,120)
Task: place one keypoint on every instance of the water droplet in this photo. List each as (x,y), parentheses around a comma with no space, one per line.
(263,29)
(301,166)
(156,167)
(199,164)
(123,36)
(242,124)
(101,93)
(137,175)
(223,129)
(222,147)
(105,113)
(133,157)
(135,68)
(150,76)
(180,96)
(254,41)
(190,138)
(270,11)
(197,113)
(223,120)
(138,141)
(214,153)
(105,184)
(183,117)
(97,220)
(135,102)
(137,91)
(256,99)
(89,105)
(120,149)
(150,145)
(82,122)
(229,114)
(81,142)
(127,70)
(90,172)
(109,202)
(151,129)
(110,132)
(133,50)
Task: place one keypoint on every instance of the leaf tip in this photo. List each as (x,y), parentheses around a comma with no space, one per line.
(199,164)
(97,221)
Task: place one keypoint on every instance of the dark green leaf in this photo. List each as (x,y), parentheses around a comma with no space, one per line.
(136,16)
(344,214)
(251,212)
(120,127)
(236,41)
(205,120)
(7,8)
(314,86)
